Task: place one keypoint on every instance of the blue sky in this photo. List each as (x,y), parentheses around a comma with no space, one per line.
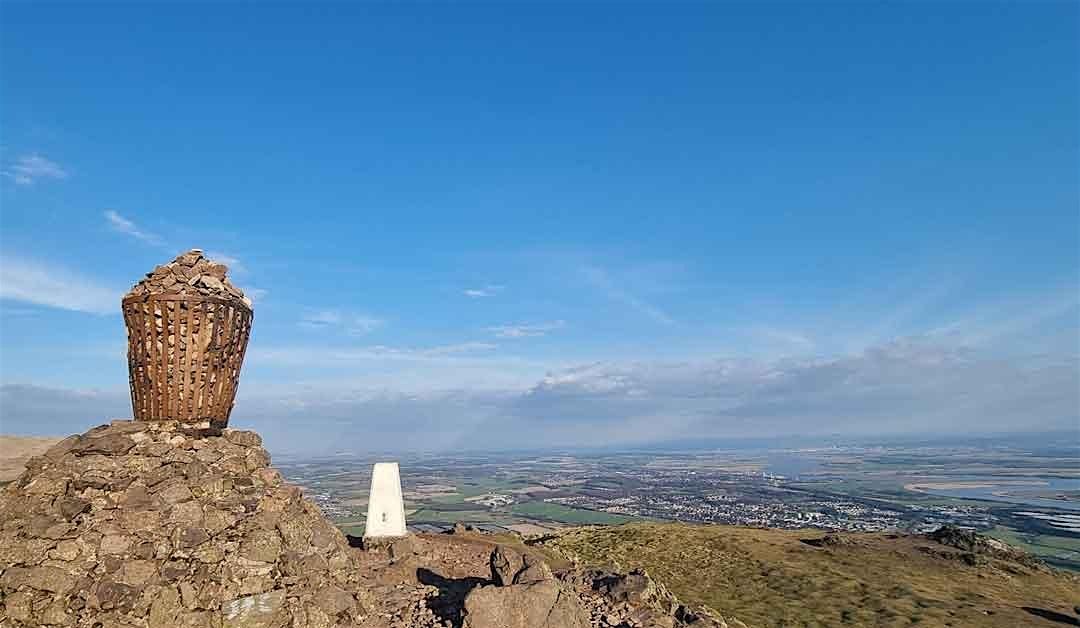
(511,224)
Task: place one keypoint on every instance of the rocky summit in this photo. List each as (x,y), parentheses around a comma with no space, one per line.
(152,524)
(159,524)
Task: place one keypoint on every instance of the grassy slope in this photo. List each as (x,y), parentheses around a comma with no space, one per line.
(770,578)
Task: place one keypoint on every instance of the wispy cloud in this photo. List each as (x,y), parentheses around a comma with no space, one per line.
(352,324)
(34,282)
(332,367)
(992,323)
(29,169)
(480,293)
(361,325)
(233,262)
(602,280)
(786,341)
(525,331)
(122,224)
(256,294)
(127,227)
(454,349)
(353,355)
(321,319)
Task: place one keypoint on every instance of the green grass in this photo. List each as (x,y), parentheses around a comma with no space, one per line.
(456,498)
(1042,545)
(771,579)
(564,514)
(432,515)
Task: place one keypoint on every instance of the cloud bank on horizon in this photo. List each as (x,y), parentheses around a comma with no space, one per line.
(904,388)
(630,237)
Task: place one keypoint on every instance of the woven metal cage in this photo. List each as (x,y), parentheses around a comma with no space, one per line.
(184,356)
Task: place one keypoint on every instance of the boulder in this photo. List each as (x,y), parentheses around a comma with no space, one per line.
(534,570)
(509,567)
(635,587)
(505,564)
(538,605)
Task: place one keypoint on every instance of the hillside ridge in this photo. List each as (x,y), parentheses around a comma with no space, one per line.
(769,577)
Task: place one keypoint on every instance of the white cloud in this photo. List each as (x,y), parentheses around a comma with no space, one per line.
(910,386)
(53,286)
(231,261)
(480,293)
(351,324)
(435,397)
(28,169)
(525,331)
(900,388)
(256,294)
(122,225)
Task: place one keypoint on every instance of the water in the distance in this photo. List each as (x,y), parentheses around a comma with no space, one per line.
(790,465)
(1028,495)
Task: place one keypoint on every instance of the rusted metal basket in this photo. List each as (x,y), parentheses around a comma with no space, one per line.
(184,356)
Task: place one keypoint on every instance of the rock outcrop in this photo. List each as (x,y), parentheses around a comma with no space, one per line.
(635,600)
(151,524)
(525,593)
(979,549)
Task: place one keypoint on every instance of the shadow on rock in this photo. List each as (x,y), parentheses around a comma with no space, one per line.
(1060,618)
(450,601)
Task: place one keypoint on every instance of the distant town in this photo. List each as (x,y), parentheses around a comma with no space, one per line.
(1025,496)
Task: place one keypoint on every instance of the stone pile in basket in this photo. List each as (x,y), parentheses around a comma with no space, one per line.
(188,329)
(189,274)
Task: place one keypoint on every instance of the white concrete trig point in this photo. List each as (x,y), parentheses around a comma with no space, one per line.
(386,509)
